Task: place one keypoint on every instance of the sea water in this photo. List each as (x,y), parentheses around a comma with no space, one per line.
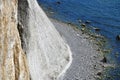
(103,14)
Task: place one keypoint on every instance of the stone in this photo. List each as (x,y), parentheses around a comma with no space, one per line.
(79,20)
(58,2)
(104,60)
(118,37)
(97,29)
(99,73)
(83,25)
(87,22)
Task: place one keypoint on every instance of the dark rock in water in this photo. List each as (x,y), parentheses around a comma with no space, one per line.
(104,60)
(49,8)
(69,23)
(87,22)
(97,29)
(58,2)
(99,73)
(83,25)
(118,37)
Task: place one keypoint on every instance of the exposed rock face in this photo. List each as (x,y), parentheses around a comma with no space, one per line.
(12,58)
(23,24)
(47,53)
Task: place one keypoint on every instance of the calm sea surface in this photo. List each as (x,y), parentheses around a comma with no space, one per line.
(103,14)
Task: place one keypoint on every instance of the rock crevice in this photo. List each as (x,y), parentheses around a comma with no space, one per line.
(13,65)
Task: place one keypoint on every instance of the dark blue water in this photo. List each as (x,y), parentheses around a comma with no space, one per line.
(104,14)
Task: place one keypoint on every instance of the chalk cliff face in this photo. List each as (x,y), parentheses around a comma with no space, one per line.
(26,30)
(47,53)
(13,64)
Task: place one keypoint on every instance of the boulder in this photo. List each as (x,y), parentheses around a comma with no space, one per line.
(104,60)
(97,29)
(58,2)
(118,37)
(87,22)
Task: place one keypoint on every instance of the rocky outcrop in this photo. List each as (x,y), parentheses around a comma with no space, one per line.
(13,65)
(26,30)
(47,53)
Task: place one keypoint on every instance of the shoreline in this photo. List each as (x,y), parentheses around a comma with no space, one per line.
(86,63)
(109,49)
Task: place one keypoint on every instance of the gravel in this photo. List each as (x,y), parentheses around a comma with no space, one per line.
(86,60)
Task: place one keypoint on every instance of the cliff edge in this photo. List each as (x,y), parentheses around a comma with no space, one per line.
(27,34)
(47,53)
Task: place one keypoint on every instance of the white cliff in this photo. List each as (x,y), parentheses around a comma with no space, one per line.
(32,49)
(48,55)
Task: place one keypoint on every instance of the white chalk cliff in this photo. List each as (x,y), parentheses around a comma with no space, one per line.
(47,53)
(30,46)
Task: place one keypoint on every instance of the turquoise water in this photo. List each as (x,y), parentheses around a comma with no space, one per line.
(104,14)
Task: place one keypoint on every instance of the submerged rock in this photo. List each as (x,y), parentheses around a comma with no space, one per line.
(118,37)
(83,25)
(58,2)
(104,60)
(87,22)
(80,21)
(97,29)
